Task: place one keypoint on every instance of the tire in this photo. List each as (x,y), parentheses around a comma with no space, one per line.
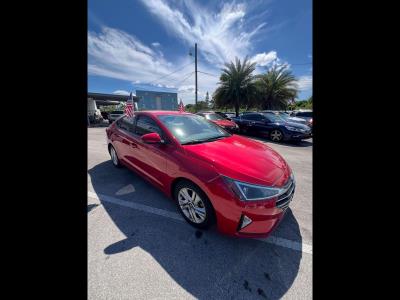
(114,157)
(243,130)
(198,211)
(276,135)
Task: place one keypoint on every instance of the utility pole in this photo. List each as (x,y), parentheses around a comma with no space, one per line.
(195,72)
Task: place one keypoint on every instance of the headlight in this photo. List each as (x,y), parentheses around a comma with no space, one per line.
(250,192)
(294,129)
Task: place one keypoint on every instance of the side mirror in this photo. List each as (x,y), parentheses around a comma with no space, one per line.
(152,138)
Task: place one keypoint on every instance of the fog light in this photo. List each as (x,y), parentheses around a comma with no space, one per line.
(244,221)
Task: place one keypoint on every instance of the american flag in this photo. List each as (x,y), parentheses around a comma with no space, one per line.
(181,107)
(129,108)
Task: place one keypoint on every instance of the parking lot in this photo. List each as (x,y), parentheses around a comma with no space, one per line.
(139,246)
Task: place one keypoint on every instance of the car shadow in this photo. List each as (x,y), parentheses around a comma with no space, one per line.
(206,264)
(302,143)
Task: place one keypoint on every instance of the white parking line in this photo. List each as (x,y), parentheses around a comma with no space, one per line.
(160,212)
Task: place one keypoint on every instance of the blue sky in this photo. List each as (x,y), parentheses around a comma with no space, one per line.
(136,44)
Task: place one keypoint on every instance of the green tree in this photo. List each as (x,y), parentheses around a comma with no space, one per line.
(276,88)
(236,85)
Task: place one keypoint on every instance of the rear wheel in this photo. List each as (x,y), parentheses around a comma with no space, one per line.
(194,205)
(114,157)
(276,135)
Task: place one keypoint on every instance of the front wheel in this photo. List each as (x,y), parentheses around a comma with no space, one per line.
(114,157)
(194,205)
(276,135)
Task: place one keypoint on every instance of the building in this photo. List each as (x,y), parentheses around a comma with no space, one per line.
(152,100)
(95,100)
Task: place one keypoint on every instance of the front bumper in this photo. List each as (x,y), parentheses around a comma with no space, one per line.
(264,214)
(298,136)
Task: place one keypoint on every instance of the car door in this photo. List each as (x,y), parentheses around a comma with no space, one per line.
(122,137)
(260,123)
(265,125)
(248,122)
(149,159)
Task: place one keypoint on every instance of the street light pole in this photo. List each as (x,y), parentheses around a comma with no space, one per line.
(195,72)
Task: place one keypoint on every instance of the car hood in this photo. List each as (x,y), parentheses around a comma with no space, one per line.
(296,119)
(224,123)
(243,159)
(296,125)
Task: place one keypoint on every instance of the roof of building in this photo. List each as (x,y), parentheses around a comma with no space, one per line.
(110,97)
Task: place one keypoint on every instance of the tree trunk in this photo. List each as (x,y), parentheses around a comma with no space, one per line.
(237,107)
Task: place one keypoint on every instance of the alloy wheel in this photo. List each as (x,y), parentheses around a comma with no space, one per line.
(276,135)
(192,205)
(114,156)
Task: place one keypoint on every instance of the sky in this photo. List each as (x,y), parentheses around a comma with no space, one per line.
(146,44)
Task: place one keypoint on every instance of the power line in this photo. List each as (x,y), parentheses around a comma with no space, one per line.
(208,74)
(179,82)
(164,76)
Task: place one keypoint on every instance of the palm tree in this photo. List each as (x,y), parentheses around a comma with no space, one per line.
(236,85)
(276,88)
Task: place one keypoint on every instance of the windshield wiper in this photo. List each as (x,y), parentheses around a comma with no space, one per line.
(202,141)
(192,142)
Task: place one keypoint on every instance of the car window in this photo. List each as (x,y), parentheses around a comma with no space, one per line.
(146,125)
(252,117)
(117,112)
(126,124)
(304,114)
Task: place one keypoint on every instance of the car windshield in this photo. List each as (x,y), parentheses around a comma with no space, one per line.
(192,129)
(274,117)
(214,117)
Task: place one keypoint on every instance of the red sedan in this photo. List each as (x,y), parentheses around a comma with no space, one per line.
(220,121)
(241,184)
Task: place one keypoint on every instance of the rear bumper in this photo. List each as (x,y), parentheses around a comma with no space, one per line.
(264,214)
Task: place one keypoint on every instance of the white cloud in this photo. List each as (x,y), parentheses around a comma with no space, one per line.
(121,92)
(305,83)
(220,36)
(114,53)
(263,59)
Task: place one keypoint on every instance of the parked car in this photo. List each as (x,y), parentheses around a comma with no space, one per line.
(227,115)
(273,126)
(305,115)
(287,116)
(229,125)
(115,115)
(206,170)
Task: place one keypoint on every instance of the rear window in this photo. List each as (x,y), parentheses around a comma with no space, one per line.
(117,112)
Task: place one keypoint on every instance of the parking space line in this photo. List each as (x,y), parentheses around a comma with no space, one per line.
(302,247)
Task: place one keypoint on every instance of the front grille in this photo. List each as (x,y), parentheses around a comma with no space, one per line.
(284,199)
